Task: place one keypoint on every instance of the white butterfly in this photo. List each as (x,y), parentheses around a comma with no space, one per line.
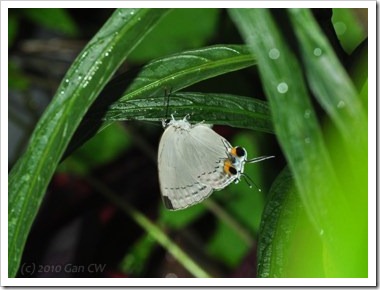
(193,161)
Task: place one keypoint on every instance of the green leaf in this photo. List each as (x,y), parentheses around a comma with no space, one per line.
(286,235)
(222,109)
(87,76)
(277,224)
(183,69)
(170,73)
(348,28)
(337,94)
(299,134)
(329,81)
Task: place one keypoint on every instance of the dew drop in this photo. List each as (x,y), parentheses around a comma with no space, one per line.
(321,232)
(340,28)
(282,88)
(274,53)
(317,51)
(307,114)
(341,105)
(307,140)
(84,54)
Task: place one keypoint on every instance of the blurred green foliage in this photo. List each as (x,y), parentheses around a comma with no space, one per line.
(193,28)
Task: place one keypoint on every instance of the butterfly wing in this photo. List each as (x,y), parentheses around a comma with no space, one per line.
(211,153)
(191,164)
(178,186)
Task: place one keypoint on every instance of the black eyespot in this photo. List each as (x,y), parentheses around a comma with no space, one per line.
(167,202)
(232,170)
(240,151)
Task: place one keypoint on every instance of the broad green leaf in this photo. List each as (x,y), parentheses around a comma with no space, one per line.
(183,69)
(299,133)
(336,93)
(277,224)
(286,235)
(222,109)
(87,76)
(329,81)
(169,74)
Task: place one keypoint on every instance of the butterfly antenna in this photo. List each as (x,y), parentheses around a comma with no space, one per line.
(258,159)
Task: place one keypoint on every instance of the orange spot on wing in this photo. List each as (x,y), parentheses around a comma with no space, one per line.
(233,151)
(226,167)
(229,168)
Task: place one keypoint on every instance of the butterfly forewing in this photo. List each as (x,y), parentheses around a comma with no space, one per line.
(179,187)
